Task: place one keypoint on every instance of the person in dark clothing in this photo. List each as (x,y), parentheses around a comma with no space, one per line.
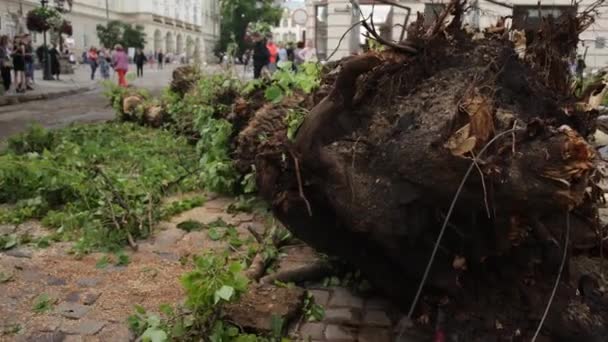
(140,59)
(29,61)
(19,64)
(261,55)
(291,55)
(6,62)
(580,69)
(54,58)
(161,59)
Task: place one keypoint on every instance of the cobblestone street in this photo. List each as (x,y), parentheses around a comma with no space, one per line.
(86,107)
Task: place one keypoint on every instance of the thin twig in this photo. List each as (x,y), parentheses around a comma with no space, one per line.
(557,280)
(300,187)
(483,185)
(445,224)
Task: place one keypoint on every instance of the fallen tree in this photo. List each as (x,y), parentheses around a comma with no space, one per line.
(464,146)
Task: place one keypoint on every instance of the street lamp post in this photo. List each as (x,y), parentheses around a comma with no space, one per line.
(47,63)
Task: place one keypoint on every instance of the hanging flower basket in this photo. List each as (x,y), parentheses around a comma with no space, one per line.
(42,19)
(66,28)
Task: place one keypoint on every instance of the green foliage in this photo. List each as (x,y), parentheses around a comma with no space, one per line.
(8,241)
(285,81)
(43,303)
(294,120)
(199,114)
(103,262)
(178,207)
(98,184)
(237,15)
(35,140)
(313,312)
(212,281)
(190,225)
(118,32)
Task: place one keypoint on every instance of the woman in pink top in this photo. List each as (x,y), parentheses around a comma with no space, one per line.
(120,62)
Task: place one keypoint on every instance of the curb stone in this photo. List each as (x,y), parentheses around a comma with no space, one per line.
(17,99)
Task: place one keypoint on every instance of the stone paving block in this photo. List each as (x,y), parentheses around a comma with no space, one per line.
(342,316)
(343,298)
(168,238)
(73,310)
(56,336)
(84,327)
(376,303)
(321,296)
(376,318)
(368,334)
(88,282)
(339,333)
(116,333)
(312,331)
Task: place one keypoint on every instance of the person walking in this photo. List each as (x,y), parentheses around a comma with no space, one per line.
(260,55)
(29,61)
(161,59)
(283,56)
(274,54)
(19,64)
(140,59)
(120,61)
(54,56)
(92,58)
(104,64)
(6,63)
(298,59)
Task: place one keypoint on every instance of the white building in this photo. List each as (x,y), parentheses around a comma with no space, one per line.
(288,29)
(178,27)
(328,20)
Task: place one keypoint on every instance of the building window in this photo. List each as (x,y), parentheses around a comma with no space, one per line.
(285,23)
(321,31)
(285,38)
(600,42)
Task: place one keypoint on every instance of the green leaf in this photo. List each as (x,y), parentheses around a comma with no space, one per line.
(274,94)
(216,234)
(225,293)
(154,335)
(103,262)
(140,309)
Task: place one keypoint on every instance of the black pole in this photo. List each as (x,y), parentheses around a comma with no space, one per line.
(46,63)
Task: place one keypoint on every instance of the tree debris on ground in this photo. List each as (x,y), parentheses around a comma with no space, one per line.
(375,167)
(454,162)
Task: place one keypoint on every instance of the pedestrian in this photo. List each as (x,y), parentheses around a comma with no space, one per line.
(104,64)
(161,59)
(298,59)
(274,53)
(260,55)
(92,57)
(283,57)
(29,62)
(309,53)
(19,64)
(120,61)
(140,59)
(54,56)
(6,63)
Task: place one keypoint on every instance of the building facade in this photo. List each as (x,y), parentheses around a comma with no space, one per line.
(187,28)
(288,30)
(329,21)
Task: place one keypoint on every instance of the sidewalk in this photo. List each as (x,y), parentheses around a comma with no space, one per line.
(76,83)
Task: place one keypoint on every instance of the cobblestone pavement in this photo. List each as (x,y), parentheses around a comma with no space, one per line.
(87,107)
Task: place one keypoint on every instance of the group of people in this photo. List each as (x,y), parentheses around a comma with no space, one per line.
(267,55)
(17,59)
(116,59)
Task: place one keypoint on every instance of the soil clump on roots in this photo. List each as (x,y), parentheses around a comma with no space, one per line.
(451,130)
